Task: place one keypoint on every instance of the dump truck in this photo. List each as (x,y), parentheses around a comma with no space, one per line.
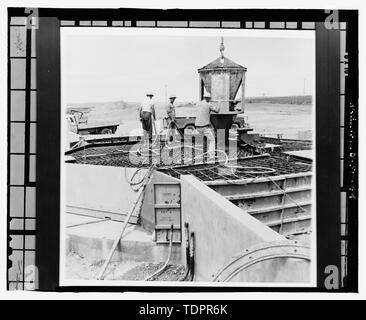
(79,124)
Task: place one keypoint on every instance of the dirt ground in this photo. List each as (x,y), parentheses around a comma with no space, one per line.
(171,273)
(79,268)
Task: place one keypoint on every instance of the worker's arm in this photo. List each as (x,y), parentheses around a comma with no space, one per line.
(170,112)
(237,106)
(140,113)
(215,109)
(153,111)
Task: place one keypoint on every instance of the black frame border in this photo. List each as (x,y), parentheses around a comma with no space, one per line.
(327,127)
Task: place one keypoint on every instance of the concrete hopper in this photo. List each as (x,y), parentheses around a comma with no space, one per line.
(223,78)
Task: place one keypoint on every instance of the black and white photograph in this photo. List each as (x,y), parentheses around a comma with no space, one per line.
(180,151)
(188,156)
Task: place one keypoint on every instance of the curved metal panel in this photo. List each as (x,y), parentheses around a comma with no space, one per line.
(271,262)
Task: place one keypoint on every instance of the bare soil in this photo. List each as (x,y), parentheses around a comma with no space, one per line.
(142,271)
(79,268)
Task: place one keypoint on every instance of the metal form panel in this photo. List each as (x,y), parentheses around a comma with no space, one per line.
(283,204)
(167,207)
(220,90)
(257,263)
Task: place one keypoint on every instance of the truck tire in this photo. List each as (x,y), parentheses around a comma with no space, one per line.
(106,131)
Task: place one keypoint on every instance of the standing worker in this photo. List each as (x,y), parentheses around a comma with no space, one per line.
(147,116)
(170,110)
(203,124)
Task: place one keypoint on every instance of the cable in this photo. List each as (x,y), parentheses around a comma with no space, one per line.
(135,185)
(158,272)
(286,194)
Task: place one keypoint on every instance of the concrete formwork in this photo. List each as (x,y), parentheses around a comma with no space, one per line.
(104,191)
(282,202)
(94,241)
(147,216)
(221,228)
(228,238)
(219,214)
(275,262)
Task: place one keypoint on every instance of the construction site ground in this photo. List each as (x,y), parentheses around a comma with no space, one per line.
(89,240)
(80,268)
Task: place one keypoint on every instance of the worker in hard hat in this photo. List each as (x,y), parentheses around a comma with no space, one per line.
(170,110)
(147,116)
(203,124)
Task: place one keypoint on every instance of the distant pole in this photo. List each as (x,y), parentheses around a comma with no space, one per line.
(166,94)
(303,89)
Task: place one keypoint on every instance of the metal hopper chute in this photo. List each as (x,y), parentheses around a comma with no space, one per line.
(223,78)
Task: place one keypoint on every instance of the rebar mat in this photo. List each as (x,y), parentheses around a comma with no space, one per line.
(252,167)
(136,155)
(176,160)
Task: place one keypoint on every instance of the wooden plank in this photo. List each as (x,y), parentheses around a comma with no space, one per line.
(167,199)
(167,193)
(90,212)
(288,220)
(167,206)
(280,207)
(166,227)
(163,236)
(168,217)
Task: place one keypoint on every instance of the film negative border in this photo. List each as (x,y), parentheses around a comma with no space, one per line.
(21,155)
(349,191)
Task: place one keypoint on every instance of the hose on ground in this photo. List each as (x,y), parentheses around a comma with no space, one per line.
(158,272)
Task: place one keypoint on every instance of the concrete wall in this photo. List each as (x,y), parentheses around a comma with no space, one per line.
(105,188)
(101,188)
(221,228)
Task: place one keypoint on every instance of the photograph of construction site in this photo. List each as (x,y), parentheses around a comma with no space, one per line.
(187,157)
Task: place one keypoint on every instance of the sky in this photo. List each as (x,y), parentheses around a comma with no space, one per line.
(112,67)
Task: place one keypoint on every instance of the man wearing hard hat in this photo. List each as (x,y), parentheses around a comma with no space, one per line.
(170,110)
(147,115)
(203,124)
